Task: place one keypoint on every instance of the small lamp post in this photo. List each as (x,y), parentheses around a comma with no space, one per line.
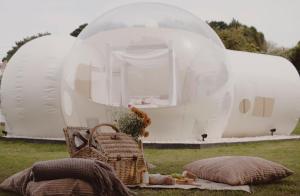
(204,136)
(4,133)
(272,131)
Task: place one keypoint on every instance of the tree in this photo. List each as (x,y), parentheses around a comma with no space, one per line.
(294,56)
(237,36)
(234,24)
(15,48)
(274,49)
(77,31)
(219,25)
(18,44)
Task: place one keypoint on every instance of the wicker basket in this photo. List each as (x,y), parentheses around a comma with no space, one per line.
(117,149)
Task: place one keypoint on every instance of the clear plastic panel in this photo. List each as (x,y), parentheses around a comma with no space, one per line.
(150,15)
(156,57)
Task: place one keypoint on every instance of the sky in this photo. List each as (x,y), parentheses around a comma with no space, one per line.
(279,20)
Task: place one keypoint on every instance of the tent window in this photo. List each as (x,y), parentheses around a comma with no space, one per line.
(263,106)
(143,76)
(268,107)
(245,105)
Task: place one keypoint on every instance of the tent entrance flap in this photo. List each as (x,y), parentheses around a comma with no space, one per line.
(143,77)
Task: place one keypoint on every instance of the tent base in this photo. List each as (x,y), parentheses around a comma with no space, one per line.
(168,144)
(33,140)
(218,142)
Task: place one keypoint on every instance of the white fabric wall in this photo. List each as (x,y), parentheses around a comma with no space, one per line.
(31,98)
(264,76)
(30,89)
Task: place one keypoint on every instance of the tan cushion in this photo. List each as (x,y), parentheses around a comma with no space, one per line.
(22,184)
(66,187)
(17,183)
(238,170)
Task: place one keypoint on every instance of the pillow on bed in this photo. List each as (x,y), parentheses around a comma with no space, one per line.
(66,187)
(17,183)
(238,170)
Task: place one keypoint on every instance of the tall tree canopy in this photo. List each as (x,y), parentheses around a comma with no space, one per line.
(294,56)
(15,48)
(237,36)
(234,35)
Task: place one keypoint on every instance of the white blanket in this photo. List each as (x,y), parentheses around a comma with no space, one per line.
(199,184)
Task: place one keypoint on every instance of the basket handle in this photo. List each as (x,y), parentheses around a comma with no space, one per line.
(79,136)
(94,130)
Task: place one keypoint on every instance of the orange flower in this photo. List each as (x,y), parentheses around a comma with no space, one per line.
(146,134)
(146,121)
(138,112)
(142,115)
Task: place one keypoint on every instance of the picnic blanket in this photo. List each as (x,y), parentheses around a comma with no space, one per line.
(199,184)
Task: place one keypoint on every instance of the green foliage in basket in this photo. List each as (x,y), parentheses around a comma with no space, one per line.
(129,122)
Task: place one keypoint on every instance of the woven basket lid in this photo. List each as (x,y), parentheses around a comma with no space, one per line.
(116,145)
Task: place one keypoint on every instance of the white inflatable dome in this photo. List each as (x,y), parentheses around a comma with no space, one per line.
(152,56)
(265,95)
(156,57)
(30,89)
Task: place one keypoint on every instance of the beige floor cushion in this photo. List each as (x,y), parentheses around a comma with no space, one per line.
(66,187)
(17,183)
(238,170)
(23,184)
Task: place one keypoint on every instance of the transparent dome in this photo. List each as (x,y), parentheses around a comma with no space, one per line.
(152,56)
(150,15)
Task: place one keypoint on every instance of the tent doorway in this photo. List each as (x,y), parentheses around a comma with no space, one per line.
(143,76)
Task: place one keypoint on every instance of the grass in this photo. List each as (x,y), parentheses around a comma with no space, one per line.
(297,129)
(17,155)
(285,152)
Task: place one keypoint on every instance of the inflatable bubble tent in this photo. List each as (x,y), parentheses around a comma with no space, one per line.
(31,87)
(156,57)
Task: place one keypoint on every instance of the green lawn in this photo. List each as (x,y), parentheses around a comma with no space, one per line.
(15,156)
(297,129)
